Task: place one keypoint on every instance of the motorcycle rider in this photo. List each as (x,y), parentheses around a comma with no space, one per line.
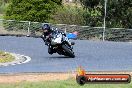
(47,32)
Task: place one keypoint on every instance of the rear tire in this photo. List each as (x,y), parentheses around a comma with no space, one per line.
(68,52)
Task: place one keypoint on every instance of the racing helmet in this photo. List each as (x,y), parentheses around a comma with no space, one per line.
(46,27)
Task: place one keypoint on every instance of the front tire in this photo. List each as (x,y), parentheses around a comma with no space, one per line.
(50,50)
(68,52)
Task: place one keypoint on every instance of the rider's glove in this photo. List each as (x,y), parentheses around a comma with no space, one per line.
(63,34)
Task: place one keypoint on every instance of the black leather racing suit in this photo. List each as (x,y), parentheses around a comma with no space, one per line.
(46,39)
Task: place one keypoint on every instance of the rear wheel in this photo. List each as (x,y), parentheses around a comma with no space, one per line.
(68,51)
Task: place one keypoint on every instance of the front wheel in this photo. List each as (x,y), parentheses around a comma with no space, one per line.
(68,52)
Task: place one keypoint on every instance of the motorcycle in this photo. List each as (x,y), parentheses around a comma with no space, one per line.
(61,44)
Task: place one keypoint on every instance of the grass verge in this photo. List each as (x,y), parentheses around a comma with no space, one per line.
(70,83)
(5,57)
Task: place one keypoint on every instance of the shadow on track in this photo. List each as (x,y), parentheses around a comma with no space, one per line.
(59,57)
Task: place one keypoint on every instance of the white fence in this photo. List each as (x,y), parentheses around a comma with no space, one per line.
(13,27)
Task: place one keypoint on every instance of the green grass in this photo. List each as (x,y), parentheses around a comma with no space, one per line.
(61,84)
(5,57)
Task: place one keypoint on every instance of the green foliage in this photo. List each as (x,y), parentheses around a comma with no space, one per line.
(32,10)
(93,12)
(93,17)
(69,15)
(3,5)
(1,2)
(119,12)
(3,8)
(89,3)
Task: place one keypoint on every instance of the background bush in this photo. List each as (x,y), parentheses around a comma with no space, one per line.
(32,10)
(69,15)
(91,12)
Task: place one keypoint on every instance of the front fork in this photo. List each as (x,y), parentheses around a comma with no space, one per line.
(68,44)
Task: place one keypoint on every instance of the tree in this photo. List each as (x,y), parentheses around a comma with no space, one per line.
(69,15)
(4,2)
(119,13)
(93,12)
(32,10)
(3,5)
(89,3)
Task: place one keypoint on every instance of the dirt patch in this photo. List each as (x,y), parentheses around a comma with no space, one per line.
(35,77)
(14,78)
(2,31)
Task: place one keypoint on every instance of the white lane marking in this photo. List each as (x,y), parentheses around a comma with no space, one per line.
(27,59)
(19,59)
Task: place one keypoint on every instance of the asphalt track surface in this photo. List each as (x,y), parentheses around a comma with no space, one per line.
(92,55)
